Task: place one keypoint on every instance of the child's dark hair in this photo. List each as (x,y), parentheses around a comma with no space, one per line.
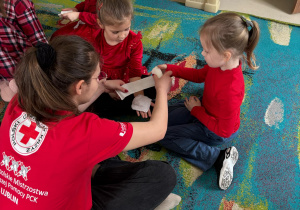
(230,31)
(112,12)
(44,90)
(2,9)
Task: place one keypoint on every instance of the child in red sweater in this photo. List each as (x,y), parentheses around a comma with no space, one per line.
(196,126)
(83,19)
(122,53)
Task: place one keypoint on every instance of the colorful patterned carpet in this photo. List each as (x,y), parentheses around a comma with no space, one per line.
(267,175)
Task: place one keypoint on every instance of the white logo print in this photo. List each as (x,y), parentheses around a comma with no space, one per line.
(123,129)
(25,136)
(15,166)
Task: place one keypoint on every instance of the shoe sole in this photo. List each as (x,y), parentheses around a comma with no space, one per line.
(226,173)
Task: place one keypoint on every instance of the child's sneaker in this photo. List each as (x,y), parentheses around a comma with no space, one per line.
(225,174)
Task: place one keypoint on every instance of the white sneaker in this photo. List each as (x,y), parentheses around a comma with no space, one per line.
(226,173)
(170,202)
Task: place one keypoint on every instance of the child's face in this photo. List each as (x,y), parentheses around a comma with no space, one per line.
(115,34)
(212,57)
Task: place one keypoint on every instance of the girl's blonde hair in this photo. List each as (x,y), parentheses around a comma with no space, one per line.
(230,31)
(112,12)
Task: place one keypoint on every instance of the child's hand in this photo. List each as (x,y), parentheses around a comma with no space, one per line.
(191,102)
(145,114)
(71,16)
(162,67)
(114,96)
(73,9)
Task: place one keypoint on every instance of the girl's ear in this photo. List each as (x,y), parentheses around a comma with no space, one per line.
(78,86)
(100,24)
(227,55)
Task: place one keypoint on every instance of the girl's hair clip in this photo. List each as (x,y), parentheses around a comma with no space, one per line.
(100,6)
(248,23)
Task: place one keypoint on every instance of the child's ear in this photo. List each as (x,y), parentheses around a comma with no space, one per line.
(100,24)
(227,55)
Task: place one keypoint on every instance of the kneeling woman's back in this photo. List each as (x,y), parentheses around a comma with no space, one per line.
(49,148)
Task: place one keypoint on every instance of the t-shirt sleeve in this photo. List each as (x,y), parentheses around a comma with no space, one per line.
(108,138)
(135,63)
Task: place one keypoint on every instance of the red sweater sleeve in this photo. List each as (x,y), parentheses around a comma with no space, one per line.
(135,63)
(190,74)
(80,6)
(88,18)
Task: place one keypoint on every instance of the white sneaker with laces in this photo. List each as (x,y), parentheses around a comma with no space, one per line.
(226,173)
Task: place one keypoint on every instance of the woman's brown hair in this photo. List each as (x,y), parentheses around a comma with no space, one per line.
(44,94)
(231,31)
(112,12)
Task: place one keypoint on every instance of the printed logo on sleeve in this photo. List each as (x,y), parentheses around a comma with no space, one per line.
(123,129)
(25,136)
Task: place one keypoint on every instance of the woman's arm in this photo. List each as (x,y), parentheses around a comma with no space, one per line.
(145,133)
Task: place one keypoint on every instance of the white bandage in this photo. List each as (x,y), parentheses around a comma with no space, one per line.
(141,103)
(139,85)
(64,12)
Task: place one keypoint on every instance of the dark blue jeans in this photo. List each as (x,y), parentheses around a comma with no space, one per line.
(192,140)
(125,185)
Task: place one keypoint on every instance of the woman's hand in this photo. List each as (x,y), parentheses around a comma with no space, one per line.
(112,85)
(163,83)
(192,102)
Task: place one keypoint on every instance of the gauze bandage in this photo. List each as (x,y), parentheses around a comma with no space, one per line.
(139,85)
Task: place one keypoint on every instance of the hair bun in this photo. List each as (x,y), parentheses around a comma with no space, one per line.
(45,55)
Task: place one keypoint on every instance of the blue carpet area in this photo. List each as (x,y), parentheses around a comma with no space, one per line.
(267,173)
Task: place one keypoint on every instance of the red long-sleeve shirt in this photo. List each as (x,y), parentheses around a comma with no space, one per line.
(222,97)
(124,60)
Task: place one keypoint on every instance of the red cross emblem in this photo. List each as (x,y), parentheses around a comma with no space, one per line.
(29,132)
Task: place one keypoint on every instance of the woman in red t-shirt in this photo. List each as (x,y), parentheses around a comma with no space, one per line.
(51,149)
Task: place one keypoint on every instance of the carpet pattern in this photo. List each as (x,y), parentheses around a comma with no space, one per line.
(267,172)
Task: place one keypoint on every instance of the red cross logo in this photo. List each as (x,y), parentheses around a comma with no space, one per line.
(29,132)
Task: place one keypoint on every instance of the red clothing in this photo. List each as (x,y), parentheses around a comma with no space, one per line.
(124,60)
(19,30)
(86,27)
(52,166)
(222,97)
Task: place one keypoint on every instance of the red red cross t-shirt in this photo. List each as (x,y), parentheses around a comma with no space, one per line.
(49,166)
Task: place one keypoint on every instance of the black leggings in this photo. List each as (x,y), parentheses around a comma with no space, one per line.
(124,185)
(106,107)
